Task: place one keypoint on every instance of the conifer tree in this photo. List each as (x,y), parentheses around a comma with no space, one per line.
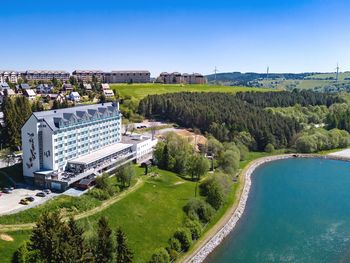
(104,247)
(123,253)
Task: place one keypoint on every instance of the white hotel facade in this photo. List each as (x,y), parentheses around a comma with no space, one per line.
(63,146)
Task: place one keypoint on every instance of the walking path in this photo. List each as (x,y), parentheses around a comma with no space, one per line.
(104,205)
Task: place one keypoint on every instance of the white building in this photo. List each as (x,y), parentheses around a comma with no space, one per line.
(108,93)
(74,96)
(142,145)
(10,75)
(30,94)
(63,146)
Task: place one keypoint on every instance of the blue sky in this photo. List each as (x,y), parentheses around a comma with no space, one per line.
(186,36)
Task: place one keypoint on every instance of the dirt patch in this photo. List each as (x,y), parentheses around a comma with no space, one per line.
(6,237)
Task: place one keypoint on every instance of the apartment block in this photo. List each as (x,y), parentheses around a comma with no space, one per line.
(88,75)
(178,78)
(46,75)
(10,75)
(127,76)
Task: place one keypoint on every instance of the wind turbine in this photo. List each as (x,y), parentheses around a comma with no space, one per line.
(267,72)
(215,71)
(337,76)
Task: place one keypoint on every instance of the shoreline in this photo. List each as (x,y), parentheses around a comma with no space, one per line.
(236,211)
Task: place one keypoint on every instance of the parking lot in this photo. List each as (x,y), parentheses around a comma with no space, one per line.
(9,203)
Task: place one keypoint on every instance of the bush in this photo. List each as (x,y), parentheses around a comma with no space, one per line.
(269,148)
(197,209)
(99,194)
(102,181)
(215,196)
(214,192)
(174,244)
(160,256)
(195,228)
(185,238)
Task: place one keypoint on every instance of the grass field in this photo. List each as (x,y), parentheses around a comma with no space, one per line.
(149,215)
(139,91)
(299,84)
(7,248)
(342,76)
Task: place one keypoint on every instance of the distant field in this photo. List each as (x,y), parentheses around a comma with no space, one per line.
(139,91)
(299,84)
(342,76)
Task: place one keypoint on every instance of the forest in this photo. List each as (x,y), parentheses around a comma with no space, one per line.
(225,116)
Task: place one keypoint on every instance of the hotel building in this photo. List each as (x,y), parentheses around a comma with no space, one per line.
(63,146)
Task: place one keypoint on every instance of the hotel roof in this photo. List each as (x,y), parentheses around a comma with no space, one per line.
(101,153)
(52,117)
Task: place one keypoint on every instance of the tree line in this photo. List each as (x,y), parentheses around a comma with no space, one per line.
(287,99)
(55,240)
(16,112)
(222,115)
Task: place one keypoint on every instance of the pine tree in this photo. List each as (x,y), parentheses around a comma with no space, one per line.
(76,239)
(123,253)
(104,247)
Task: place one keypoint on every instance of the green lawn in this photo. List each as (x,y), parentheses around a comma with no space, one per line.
(139,91)
(150,215)
(7,248)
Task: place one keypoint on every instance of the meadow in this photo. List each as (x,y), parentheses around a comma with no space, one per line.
(139,91)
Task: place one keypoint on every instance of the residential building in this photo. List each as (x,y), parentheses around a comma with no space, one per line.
(4,85)
(105,86)
(2,120)
(49,97)
(67,87)
(10,75)
(87,86)
(2,96)
(108,93)
(60,98)
(44,88)
(46,75)
(127,76)
(194,78)
(178,78)
(88,75)
(74,96)
(23,86)
(30,94)
(64,146)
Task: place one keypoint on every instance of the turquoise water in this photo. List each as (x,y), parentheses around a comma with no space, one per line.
(298,211)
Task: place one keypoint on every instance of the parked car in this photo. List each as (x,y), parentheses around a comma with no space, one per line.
(23,202)
(41,194)
(47,191)
(7,190)
(30,198)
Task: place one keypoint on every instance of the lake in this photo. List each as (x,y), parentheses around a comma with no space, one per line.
(298,210)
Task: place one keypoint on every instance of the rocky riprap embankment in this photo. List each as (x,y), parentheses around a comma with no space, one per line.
(231,223)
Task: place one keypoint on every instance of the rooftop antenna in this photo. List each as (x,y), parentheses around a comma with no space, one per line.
(215,71)
(337,75)
(267,72)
